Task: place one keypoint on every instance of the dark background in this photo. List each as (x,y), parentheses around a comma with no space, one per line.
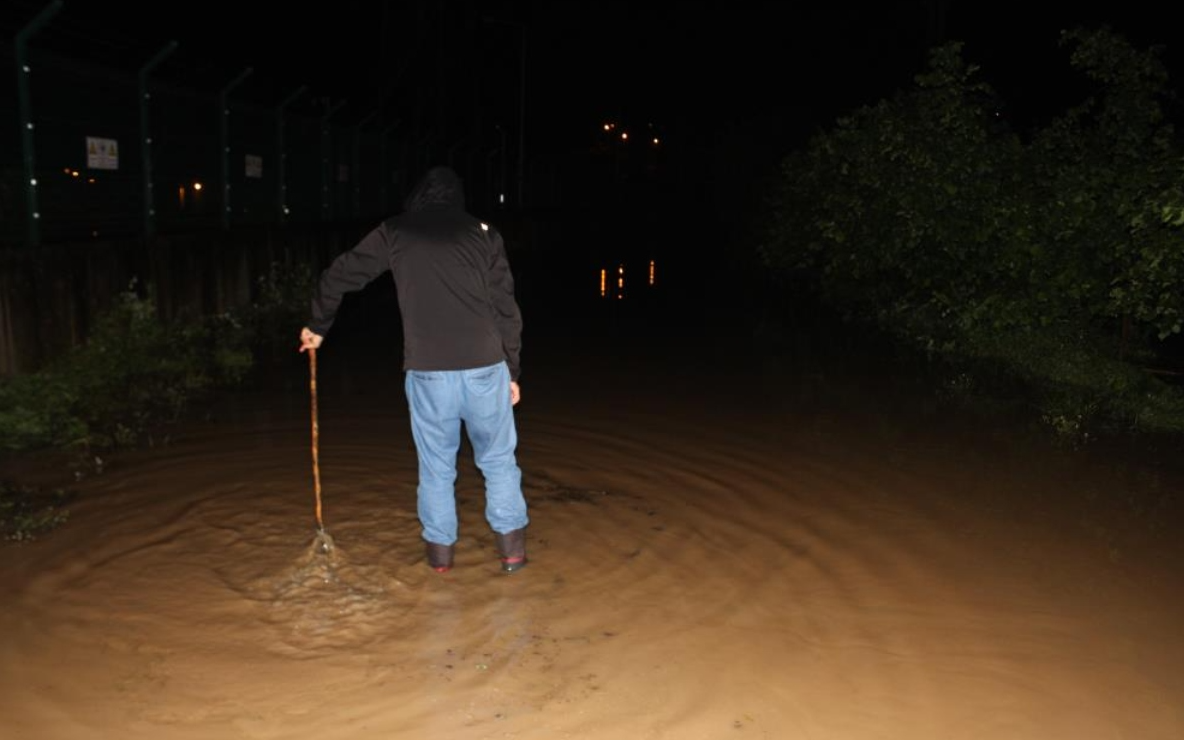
(696,71)
(516,96)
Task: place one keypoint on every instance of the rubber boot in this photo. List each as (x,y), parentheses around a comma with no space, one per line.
(511,548)
(439,557)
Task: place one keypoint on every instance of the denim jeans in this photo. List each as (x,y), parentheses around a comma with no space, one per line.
(440,400)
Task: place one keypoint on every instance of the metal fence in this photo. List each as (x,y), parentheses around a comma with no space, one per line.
(114,157)
(120,166)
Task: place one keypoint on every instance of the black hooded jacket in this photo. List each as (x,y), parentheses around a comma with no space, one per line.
(454,285)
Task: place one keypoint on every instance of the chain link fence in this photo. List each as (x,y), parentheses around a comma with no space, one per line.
(114,156)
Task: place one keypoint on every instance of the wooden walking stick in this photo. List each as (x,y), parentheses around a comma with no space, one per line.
(324,543)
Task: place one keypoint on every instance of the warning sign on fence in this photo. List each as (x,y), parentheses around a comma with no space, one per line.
(254,165)
(102,154)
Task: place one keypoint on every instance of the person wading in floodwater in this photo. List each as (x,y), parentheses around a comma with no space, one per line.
(462,337)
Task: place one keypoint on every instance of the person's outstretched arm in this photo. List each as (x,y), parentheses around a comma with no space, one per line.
(349,272)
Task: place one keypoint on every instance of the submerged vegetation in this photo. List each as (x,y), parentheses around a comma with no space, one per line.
(27,512)
(135,377)
(136,374)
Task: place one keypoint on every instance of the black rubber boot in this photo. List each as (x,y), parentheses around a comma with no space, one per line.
(440,557)
(511,548)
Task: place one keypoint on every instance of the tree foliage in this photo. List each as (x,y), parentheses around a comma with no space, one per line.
(928,216)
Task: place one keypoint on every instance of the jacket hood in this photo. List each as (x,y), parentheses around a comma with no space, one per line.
(441,187)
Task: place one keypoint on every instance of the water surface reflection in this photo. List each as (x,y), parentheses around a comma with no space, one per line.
(719,543)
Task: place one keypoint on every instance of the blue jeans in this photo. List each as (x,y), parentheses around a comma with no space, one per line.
(440,400)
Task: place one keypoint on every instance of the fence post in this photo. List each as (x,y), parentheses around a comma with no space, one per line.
(385,173)
(326,164)
(281,158)
(224,143)
(358,162)
(33,233)
(522,30)
(146,139)
(491,190)
(424,155)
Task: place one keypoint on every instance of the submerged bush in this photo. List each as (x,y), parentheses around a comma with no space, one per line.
(280,307)
(132,377)
(26,512)
(1077,391)
(136,374)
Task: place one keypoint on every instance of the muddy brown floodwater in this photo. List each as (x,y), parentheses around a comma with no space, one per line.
(720,547)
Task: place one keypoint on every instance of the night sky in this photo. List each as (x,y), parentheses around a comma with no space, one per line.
(766,73)
(706,62)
